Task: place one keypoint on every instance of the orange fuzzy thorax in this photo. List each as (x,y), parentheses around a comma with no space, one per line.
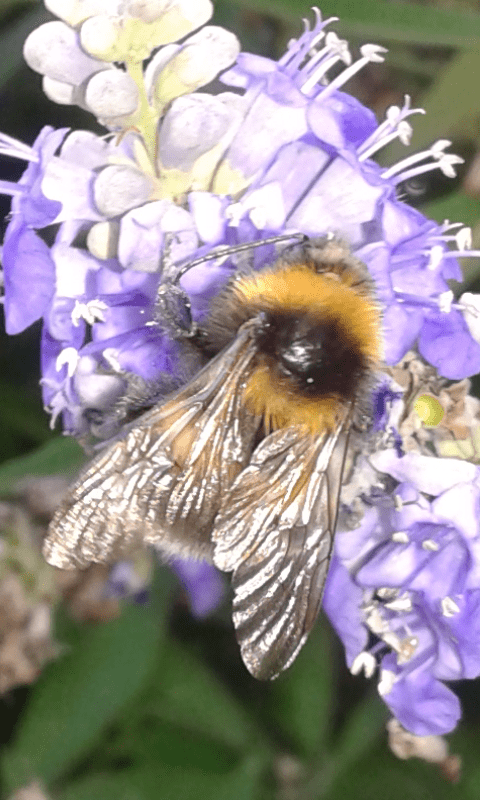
(338,296)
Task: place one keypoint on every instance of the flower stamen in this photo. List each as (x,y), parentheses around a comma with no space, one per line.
(394,127)
(335,50)
(91,312)
(16,149)
(449,607)
(371,53)
(365,662)
(68,357)
(443,161)
(298,49)
(386,682)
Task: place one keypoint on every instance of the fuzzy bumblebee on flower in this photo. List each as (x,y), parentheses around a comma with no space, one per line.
(259,337)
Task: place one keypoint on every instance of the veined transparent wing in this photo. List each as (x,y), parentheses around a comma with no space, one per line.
(274,532)
(163,482)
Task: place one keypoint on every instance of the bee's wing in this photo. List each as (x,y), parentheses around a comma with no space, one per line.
(275,533)
(163,482)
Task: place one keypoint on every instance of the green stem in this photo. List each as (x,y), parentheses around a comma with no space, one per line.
(146,118)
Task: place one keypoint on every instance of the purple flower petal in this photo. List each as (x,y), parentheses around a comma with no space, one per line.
(29,274)
(342,603)
(203,584)
(446,342)
(422,704)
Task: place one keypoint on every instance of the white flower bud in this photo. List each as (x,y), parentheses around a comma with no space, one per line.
(59,92)
(99,37)
(77,11)
(148,10)
(193,125)
(203,56)
(53,49)
(102,240)
(156,64)
(119,188)
(403,744)
(196,12)
(111,93)
(132,37)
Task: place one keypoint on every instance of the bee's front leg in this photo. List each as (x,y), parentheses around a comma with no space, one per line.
(172,317)
(173,312)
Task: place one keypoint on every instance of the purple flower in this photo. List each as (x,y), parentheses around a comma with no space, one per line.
(182,172)
(411,572)
(203,585)
(291,150)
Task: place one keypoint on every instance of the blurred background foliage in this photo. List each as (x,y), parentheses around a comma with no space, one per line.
(142,702)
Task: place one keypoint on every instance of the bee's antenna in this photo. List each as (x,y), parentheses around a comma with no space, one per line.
(222,252)
(172,306)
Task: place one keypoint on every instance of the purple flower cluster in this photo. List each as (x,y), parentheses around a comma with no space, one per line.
(180,173)
(404,588)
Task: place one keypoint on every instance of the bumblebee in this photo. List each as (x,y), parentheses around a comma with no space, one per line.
(243,465)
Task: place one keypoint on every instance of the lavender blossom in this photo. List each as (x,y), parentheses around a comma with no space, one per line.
(282,150)
(203,585)
(411,564)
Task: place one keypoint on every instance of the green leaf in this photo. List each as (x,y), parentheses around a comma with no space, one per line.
(301,698)
(362,730)
(14,35)
(78,695)
(464,742)
(188,694)
(162,783)
(61,455)
(456,206)
(140,738)
(24,424)
(358,737)
(448,102)
(412,23)
(379,774)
